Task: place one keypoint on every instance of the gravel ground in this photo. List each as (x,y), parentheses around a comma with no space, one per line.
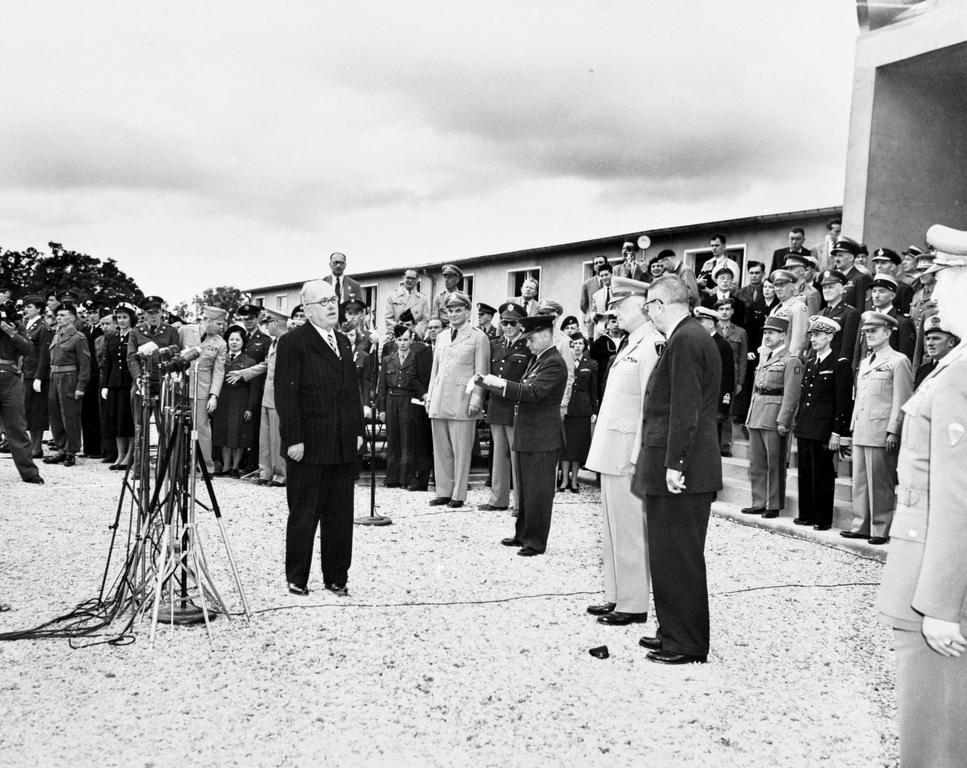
(451,650)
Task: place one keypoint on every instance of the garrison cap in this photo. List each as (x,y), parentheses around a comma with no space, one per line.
(877,320)
(824,324)
(846,245)
(624,287)
(213,313)
(833,276)
(951,246)
(295,310)
(549,305)
(512,311)
(535,323)
(452,269)
(485,309)
(709,314)
(151,302)
(406,316)
(458,299)
(780,276)
(884,281)
(774,323)
(886,254)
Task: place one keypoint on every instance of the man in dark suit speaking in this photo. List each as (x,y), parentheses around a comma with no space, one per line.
(678,471)
(321,426)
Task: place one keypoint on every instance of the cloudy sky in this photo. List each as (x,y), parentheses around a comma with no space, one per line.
(212,143)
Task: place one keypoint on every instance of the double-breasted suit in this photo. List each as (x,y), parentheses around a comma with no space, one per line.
(205,378)
(926,569)
(508,360)
(457,357)
(825,409)
(317,399)
(614,451)
(538,439)
(679,433)
(775,399)
(884,383)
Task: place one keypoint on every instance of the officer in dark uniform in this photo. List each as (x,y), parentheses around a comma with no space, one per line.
(885,262)
(709,320)
(903,338)
(257,348)
(150,343)
(13,344)
(844,252)
(485,316)
(35,330)
(833,284)
(823,419)
(90,408)
(509,358)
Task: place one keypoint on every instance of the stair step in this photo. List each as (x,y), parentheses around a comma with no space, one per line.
(739,469)
(740,450)
(738,491)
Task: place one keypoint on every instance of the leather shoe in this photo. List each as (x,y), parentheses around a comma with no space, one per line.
(36,480)
(652,643)
(491,508)
(878,540)
(800,521)
(752,510)
(666,657)
(69,460)
(769,514)
(600,610)
(57,458)
(454,504)
(527,552)
(621,619)
(439,501)
(853,535)
(511,542)
(261,481)
(295,589)
(276,484)
(416,487)
(338,589)
(821,527)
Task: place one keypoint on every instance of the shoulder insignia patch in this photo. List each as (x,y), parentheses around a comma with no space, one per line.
(955,431)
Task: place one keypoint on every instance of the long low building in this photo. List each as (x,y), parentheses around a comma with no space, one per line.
(562,269)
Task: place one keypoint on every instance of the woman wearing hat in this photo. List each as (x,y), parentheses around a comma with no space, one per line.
(233,427)
(581,412)
(116,387)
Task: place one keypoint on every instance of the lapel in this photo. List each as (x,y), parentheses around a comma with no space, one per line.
(317,345)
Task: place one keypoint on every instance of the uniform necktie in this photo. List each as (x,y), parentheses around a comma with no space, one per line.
(453,334)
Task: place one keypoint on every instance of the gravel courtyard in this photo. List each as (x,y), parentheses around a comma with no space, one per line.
(450,650)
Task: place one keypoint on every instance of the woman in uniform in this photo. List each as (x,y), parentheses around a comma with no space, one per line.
(581,410)
(234,428)
(116,392)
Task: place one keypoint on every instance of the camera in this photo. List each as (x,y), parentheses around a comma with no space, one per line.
(9,313)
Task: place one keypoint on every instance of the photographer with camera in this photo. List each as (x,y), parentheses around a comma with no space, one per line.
(12,346)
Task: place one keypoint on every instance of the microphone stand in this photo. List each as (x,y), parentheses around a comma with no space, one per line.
(372,518)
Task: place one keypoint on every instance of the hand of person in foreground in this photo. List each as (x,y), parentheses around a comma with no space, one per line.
(674,481)
(297,451)
(944,637)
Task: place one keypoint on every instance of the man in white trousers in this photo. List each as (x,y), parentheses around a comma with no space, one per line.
(614,451)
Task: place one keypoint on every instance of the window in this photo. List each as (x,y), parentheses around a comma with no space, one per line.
(260,301)
(588,271)
(516,278)
(695,258)
(468,286)
(280,302)
(369,296)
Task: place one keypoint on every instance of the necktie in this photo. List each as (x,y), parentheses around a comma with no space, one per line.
(331,340)
(607,297)
(453,334)
(338,290)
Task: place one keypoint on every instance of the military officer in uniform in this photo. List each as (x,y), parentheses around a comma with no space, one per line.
(538,436)
(452,405)
(256,347)
(775,399)
(738,339)
(35,330)
(70,373)
(509,358)
(822,421)
(884,383)
(844,252)
(903,338)
(938,343)
(925,579)
(801,266)
(485,317)
(709,320)
(614,453)
(452,283)
(792,309)
(833,285)
(203,342)
(886,261)
(13,345)
(150,343)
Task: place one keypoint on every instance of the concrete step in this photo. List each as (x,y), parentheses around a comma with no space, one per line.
(738,491)
(740,450)
(739,470)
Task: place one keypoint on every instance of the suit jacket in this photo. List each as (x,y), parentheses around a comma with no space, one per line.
(454,364)
(599,301)
(584,390)
(165,336)
(711,298)
(210,363)
(638,271)
(779,257)
(679,423)
(347,286)
(590,286)
(882,387)
(826,398)
(538,426)
(317,396)
(401,300)
(848,317)
(727,380)
(508,361)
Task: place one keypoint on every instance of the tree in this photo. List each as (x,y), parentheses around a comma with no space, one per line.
(226,297)
(17,269)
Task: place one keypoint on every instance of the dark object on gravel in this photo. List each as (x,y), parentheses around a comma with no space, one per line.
(601,652)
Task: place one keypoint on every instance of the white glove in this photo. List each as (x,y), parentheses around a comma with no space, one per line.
(148,348)
(188,354)
(494,381)
(38,385)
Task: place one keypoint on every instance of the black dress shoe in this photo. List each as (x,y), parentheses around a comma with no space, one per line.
(36,480)
(527,552)
(416,487)
(600,610)
(800,521)
(439,501)
(38,454)
(853,535)
(338,589)
(69,460)
(821,527)
(878,540)
(57,458)
(261,481)
(666,657)
(295,589)
(753,510)
(491,508)
(276,483)
(769,514)
(454,504)
(574,489)
(511,542)
(621,619)
(118,466)
(652,643)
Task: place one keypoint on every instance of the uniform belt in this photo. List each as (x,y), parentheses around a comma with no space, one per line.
(764,391)
(62,368)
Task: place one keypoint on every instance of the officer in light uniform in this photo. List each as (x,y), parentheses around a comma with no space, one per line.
(801,265)
(203,342)
(775,399)
(70,372)
(924,591)
(884,382)
(614,453)
(792,309)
